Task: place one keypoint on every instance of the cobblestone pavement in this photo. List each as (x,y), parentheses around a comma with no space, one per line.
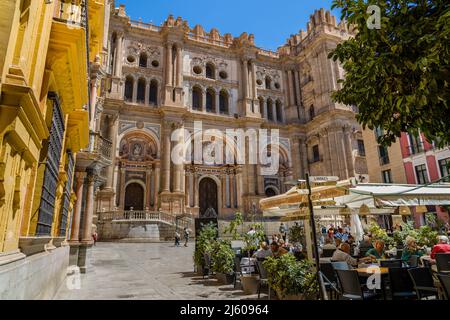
(147,271)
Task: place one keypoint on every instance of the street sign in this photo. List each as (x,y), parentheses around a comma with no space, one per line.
(319,179)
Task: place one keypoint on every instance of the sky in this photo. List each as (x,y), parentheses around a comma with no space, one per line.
(271,21)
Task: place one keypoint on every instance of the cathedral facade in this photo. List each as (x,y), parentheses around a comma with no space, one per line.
(168,77)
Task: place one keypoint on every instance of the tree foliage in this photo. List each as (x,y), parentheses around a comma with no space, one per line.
(398,75)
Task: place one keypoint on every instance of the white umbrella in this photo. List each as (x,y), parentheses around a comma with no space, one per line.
(356,227)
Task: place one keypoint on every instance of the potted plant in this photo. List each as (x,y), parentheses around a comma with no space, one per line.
(292,279)
(222,256)
(203,245)
(252,239)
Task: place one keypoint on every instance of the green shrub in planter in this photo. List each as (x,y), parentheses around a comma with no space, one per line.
(289,277)
(204,242)
(222,256)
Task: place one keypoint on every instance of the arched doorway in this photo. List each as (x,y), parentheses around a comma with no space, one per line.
(208,197)
(134,197)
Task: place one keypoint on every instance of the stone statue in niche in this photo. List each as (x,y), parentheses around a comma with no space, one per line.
(137,150)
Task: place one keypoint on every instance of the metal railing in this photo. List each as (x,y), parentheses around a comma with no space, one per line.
(101,146)
(145,216)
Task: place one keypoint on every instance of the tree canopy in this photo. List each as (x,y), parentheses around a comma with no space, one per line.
(398,75)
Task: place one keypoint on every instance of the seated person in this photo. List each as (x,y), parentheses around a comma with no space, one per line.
(366,244)
(411,249)
(441,247)
(377,252)
(329,244)
(343,254)
(263,251)
(277,251)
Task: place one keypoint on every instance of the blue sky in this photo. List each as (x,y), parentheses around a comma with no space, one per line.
(271,21)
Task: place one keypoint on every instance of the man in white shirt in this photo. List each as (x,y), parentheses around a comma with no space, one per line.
(343,254)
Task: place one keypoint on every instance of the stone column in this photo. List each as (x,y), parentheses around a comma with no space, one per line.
(217,102)
(196,195)
(118,64)
(89,210)
(297,159)
(223,179)
(156,185)
(114,127)
(135,87)
(274,112)
(179,67)
(187,190)
(266,116)
(165,165)
(75,231)
(148,189)
(245,78)
(232,184)
(239,189)
(304,156)
(253,80)
(203,100)
(349,151)
(122,188)
(324,142)
(291,88)
(177,176)
(344,154)
(297,88)
(169,64)
(260,181)
(94,87)
(147,92)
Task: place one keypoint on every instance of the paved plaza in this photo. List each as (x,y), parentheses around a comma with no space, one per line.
(146,271)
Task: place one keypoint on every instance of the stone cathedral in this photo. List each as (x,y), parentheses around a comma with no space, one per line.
(161,78)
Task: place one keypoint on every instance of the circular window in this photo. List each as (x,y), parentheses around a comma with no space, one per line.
(155,63)
(223,75)
(259,82)
(197,70)
(277,85)
(131,59)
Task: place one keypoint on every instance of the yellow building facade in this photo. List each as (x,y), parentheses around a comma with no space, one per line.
(45,49)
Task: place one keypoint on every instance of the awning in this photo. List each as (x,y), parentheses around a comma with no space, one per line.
(404,195)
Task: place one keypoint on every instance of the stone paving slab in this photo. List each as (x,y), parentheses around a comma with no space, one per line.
(146,271)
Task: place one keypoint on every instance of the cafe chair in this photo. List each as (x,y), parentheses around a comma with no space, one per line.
(401,284)
(328,253)
(351,287)
(392,263)
(340,265)
(413,261)
(263,281)
(329,278)
(237,273)
(443,262)
(445,282)
(423,282)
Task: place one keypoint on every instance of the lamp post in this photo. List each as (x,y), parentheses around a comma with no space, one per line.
(323,293)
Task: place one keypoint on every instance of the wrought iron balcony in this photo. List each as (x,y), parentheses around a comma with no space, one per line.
(101,146)
(71,12)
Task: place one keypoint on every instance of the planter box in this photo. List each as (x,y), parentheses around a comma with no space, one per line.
(250,284)
(294,297)
(225,279)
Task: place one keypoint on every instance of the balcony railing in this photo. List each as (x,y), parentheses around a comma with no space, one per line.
(71,12)
(415,149)
(144,216)
(101,146)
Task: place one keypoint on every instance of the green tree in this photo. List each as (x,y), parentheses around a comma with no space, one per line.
(398,75)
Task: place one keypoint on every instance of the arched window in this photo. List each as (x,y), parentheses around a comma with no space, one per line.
(270,109)
(279,111)
(210,71)
(312,112)
(210,100)
(141,91)
(197,98)
(223,102)
(268,83)
(153,94)
(143,60)
(129,82)
(261,106)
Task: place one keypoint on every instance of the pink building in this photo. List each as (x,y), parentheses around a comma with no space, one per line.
(424,163)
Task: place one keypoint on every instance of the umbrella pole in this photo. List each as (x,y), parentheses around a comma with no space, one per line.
(323,291)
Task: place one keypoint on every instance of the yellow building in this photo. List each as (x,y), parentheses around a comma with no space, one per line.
(44,123)
(385,164)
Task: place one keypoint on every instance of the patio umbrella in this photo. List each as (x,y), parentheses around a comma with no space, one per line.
(356,227)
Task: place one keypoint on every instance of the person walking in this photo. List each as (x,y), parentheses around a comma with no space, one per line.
(177,239)
(186,236)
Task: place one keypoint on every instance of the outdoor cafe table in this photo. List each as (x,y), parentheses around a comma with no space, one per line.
(367,271)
